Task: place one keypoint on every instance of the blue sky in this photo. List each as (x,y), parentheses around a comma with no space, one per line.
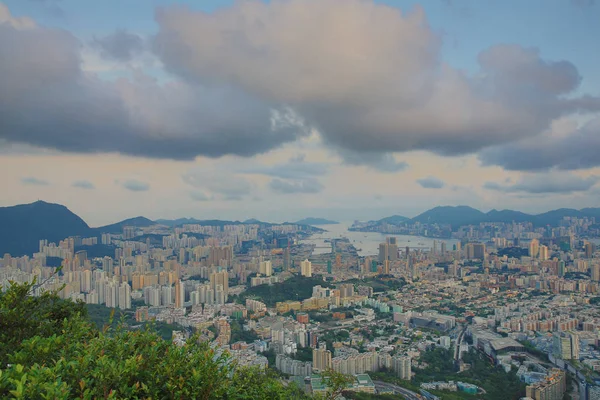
(361,148)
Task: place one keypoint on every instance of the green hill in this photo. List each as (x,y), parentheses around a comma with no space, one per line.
(448,215)
(296,288)
(23,226)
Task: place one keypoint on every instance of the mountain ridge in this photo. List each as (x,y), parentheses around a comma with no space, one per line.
(315,221)
(24,225)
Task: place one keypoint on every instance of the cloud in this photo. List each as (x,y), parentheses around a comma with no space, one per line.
(383,162)
(135,185)
(295,168)
(566,146)
(30,180)
(119,45)
(431,182)
(226,185)
(309,185)
(14,22)
(199,196)
(137,116)
(554,183)
(83,185)
(374,84)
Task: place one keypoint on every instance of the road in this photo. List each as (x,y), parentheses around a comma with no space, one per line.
(409,395)
(459,339)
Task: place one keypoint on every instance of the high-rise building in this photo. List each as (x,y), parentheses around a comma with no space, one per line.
(595,272)
(534,248)
(366,266)
(124,296)
(543,253)
(287,260)
(551,388)
(166,296)
(329,267)
(306,268)
(179,294)
(392,249)
(86,281)
(266,268)
(589,249)
(388,250)
(386,267)
(383,252)
(566,345)
(402,367)
(561,268)
(220,278)
(107,266)
(321,358)
(475,251)
(128,232)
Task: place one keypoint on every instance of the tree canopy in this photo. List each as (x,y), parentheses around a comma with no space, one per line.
(50,350)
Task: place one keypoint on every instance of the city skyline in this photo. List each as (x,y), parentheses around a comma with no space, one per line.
(403,110)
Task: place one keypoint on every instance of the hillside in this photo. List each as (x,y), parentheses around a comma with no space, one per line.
(448,215)
(177,222)
(507,216)
(23,226)
(140,222)
(296,288)
(315,221)
(394,219)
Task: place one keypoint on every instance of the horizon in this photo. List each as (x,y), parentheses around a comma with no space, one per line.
(291,220)
(404,106)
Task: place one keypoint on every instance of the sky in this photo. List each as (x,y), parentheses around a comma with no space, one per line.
(283,109)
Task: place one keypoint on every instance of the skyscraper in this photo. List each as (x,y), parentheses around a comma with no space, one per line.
(543,253)
(221,278)
(383,252)
(124,296)
(321,358)
(595,272)
(534,248)
(179,294)
(402,367)
(589,249)
(287,263)
(306,268)
(266,268)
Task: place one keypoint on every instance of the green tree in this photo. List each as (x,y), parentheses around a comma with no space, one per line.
(56,353)
(23,316)
(336,383)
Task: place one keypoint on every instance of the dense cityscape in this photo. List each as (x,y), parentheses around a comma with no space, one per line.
(495,305)
(300,199)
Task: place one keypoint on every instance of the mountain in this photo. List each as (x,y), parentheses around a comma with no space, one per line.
(448,215)
(23,226)
(140,222)
(177,222)
(553,217)
(507,216)
(315,221)
(394,219)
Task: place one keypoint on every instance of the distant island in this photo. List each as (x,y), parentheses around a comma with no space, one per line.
(316,221)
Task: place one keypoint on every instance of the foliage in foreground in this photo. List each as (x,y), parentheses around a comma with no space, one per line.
(51,351)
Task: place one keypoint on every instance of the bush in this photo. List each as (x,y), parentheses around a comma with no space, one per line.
(51,351)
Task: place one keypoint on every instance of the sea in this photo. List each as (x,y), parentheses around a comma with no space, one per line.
(367,243)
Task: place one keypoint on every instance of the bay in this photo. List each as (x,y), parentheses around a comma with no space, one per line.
(367,243)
